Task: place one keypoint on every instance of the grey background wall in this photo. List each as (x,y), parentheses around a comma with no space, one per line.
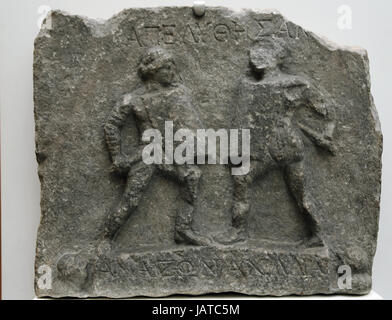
(371,29)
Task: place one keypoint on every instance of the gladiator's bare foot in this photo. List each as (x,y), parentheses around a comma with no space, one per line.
(193,237)
(312,242)
(231,237)
(315,241)
(239,212)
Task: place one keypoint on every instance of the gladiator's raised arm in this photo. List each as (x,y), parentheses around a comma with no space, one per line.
(318,102)
(300,93)
(322,140)
(114,123)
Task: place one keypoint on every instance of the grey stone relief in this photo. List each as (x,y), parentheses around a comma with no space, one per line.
(115,226)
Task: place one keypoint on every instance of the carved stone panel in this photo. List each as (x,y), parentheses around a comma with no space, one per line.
(134,202)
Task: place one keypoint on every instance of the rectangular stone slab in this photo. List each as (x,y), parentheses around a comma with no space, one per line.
(303,221)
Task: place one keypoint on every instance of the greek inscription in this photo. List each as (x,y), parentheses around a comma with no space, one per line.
(168,31)
(192,33)
(186,268)
(238,30)
(166,268)
(293,31)
(152,33)
(221,32)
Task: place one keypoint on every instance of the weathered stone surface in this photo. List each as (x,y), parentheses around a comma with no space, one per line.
(114,226)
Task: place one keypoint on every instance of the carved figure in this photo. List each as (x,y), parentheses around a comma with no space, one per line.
(272,104)
(160,98)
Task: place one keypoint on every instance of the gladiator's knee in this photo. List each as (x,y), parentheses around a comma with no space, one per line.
(115,220)
(242,180)
(192,173)
(191,178)
(184,219)
(239,214)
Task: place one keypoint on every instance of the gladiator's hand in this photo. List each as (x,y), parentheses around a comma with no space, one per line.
(121,164)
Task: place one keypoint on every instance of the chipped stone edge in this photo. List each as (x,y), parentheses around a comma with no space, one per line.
(101,27)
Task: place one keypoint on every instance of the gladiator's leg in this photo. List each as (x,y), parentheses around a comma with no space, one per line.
(242,185)
(138,179)
(189,177)
(296,180)
(241,205)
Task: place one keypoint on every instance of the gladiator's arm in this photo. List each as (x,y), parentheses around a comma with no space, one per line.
(301,93)
(114,124)
(322,140)
(315,100)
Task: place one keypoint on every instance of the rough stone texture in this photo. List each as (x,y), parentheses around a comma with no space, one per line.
(113,226)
